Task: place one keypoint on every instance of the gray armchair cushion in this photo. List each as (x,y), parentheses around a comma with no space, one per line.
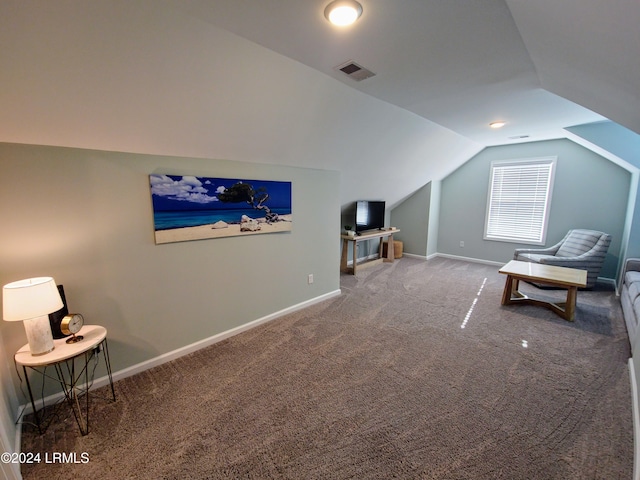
(582,249)
(577,242)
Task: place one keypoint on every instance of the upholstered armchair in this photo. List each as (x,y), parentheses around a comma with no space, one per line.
(582,249)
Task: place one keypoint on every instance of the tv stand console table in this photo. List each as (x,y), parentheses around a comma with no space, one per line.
(368,235)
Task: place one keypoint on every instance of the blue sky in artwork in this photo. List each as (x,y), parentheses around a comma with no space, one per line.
(184,192)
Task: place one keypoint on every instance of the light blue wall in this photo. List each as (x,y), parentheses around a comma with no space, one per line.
(625,144)
(589,192)
(412,218)
(614,138)
(85,218)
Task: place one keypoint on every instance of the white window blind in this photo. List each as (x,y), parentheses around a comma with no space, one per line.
(519,200)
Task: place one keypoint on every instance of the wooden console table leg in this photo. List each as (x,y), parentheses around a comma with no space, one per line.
(345,254)
(390,252)
(355,256)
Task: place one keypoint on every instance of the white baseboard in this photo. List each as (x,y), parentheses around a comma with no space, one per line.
(636,421)
(167,357)
(413,255)
(187,349)
(468,259)
(453,257)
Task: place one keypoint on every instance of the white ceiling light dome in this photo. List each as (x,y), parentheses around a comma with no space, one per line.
(343,12)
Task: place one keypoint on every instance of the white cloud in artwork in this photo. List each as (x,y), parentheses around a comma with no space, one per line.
(221,189)
(187,189)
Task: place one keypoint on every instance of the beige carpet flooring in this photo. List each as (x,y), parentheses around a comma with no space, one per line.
(415,372)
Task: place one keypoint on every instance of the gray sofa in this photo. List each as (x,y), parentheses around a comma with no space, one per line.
(630,296)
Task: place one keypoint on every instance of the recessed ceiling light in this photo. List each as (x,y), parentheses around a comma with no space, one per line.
(499,124)
(343,12)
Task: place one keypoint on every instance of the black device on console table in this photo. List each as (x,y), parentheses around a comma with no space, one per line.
(369,215)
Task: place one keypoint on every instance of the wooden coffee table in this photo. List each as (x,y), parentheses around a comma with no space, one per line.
(569,278)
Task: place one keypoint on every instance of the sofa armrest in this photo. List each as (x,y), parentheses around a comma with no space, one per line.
(632,264)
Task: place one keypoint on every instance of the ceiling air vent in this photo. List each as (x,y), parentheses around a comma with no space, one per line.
(355,71)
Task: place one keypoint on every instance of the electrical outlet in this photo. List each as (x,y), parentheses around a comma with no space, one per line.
(310,278)
(461,243)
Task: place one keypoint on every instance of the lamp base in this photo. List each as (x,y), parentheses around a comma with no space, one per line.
(39,335)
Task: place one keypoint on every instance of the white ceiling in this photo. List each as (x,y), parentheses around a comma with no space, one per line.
(254,80)
(463,63)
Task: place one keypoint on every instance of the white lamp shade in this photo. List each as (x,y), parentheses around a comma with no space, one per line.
(30,298)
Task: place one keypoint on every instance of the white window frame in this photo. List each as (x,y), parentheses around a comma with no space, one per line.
(509,216)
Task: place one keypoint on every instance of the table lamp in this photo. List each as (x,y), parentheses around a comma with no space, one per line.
(31,301)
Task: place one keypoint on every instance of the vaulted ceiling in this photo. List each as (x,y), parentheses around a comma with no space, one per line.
(255,80)
(538,65)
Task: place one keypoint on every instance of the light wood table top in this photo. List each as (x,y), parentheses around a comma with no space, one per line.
(369,234)
(561,276)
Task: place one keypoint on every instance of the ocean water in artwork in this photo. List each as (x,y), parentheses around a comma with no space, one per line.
(166,220)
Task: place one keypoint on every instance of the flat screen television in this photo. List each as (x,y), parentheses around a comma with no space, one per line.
(369,215)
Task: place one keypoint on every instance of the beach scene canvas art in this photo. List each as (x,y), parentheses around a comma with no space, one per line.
(187,207)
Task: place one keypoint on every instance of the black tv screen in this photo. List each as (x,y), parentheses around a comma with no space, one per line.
(369,215)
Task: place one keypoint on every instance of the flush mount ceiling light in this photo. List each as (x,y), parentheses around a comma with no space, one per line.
(499,124)
(343,12)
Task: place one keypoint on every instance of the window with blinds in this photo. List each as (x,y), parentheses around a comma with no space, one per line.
(519,200)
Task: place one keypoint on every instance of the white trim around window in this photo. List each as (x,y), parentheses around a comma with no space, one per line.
(519,200)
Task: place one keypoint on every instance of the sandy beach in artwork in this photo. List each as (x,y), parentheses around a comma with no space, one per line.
(231,230)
